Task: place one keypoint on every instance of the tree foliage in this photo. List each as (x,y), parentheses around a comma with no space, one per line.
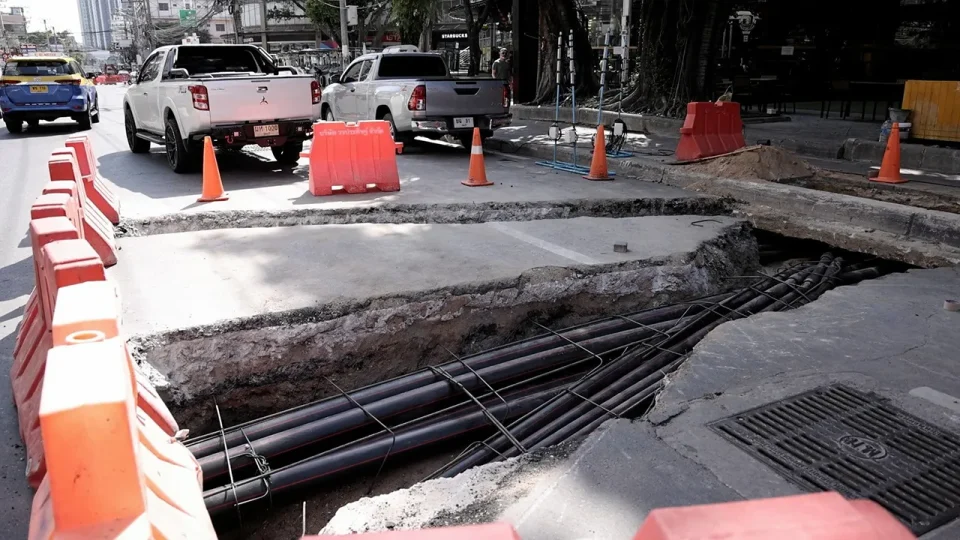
(411,17)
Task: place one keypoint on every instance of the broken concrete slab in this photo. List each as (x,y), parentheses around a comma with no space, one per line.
(258,317)
(914,235)
(890,336)
(430,193)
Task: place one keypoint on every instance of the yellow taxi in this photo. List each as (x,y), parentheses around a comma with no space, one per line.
(35,88)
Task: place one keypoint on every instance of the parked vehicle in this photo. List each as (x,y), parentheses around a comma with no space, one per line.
(35,88)
(415,92)
(233,93)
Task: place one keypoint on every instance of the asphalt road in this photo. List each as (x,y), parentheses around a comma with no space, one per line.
(23,173)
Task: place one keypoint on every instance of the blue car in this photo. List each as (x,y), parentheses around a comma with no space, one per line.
(35,88)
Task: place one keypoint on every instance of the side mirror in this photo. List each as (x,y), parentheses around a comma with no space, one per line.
(89,74)
(178,73)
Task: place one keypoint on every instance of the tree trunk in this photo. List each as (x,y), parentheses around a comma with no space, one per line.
(559,17)
(677,48)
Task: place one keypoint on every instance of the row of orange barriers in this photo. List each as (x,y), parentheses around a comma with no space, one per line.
(818,516)
(102,447)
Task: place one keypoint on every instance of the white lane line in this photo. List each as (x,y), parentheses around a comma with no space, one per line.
(543,244)
(937,398)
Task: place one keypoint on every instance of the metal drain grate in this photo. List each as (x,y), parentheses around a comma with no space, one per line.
(835,438)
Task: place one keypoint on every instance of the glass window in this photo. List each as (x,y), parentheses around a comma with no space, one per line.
(38,68)
(352,73)
(221,27)
(365,70)
(150,69)
(221,59)
(404,66)
(163,6)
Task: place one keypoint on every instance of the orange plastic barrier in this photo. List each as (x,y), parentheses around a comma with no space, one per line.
(49,205)
(94,307)
(31,314)
(354,158)
(491,531)
(818,516)
(97,191)
(96,227)
(110,473)
(710,129)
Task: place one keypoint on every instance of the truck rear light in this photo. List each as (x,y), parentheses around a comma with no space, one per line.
(315,91)
(506,97)
(201,99)
(418,99)
(73,82)
(5,83)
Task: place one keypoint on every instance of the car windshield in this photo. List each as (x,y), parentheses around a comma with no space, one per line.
(38,68)
(212,59)
(411,66)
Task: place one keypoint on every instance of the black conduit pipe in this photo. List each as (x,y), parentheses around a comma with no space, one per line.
(276,423)
(370,450)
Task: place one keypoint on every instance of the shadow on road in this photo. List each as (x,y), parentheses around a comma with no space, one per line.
(16,279)
(43,130)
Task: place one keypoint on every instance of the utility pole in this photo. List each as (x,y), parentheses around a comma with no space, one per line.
(148,32)
(263,25)
(344,36)
(235,10)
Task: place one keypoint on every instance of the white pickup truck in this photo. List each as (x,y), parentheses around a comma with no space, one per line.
(415,92)
(233,93)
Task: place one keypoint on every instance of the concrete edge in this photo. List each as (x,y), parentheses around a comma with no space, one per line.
(586,116)
(796,204)
(912,156)
(440,213)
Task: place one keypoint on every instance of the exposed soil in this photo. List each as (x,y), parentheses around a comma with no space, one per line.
(754,163)
(929,196)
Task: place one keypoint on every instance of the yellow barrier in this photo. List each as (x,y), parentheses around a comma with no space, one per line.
(936,109)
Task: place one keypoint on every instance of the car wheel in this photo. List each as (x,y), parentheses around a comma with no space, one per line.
(180,159)
(85,120)
(287,154)
(13,125)
(33,123)
(328,115)
(96,110)
(136,144)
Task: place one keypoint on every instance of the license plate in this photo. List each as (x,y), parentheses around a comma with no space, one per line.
(38,89)
(269,130)
(463,122)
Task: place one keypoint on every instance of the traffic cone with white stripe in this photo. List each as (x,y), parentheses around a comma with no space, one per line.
(478,172)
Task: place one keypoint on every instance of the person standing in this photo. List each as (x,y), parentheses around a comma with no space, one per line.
(501,67)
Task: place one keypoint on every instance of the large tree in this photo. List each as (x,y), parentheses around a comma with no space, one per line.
(558,18)
(677,48)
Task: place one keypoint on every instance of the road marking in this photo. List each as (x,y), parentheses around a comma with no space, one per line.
(543,244)
(937,398)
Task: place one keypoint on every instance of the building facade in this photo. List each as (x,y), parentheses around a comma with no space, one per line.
(170,17)
(13,27)
(95,22)
(284,34)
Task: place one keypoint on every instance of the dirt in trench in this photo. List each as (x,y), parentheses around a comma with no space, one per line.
(754,163)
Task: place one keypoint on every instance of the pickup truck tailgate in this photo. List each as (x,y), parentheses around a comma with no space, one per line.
(234,100)
(464,97)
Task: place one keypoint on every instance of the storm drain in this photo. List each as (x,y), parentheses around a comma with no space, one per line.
(835,438)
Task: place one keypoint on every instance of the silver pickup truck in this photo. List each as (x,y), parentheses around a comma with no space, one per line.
(415,92)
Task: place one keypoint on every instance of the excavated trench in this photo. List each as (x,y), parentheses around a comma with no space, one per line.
(258,365)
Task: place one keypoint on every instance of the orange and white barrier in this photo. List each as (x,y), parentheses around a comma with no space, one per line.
(818,516)
(96,228)
(97,190)
(353,158)
(111,472)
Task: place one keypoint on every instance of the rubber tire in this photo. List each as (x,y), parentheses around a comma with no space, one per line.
(397,136)
(86,120)
(96,107)
(33,123)
(287,154)
(136,144)
(179,157)
(328,115)
(13,125)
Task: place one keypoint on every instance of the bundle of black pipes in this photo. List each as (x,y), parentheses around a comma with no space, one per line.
(552,387)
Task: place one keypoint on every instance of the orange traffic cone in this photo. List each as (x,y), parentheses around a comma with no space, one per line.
(212,185)
(478,172)
(598,167)
(890,166)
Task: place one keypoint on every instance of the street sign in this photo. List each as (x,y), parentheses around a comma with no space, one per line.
(352,15)
(188,17)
